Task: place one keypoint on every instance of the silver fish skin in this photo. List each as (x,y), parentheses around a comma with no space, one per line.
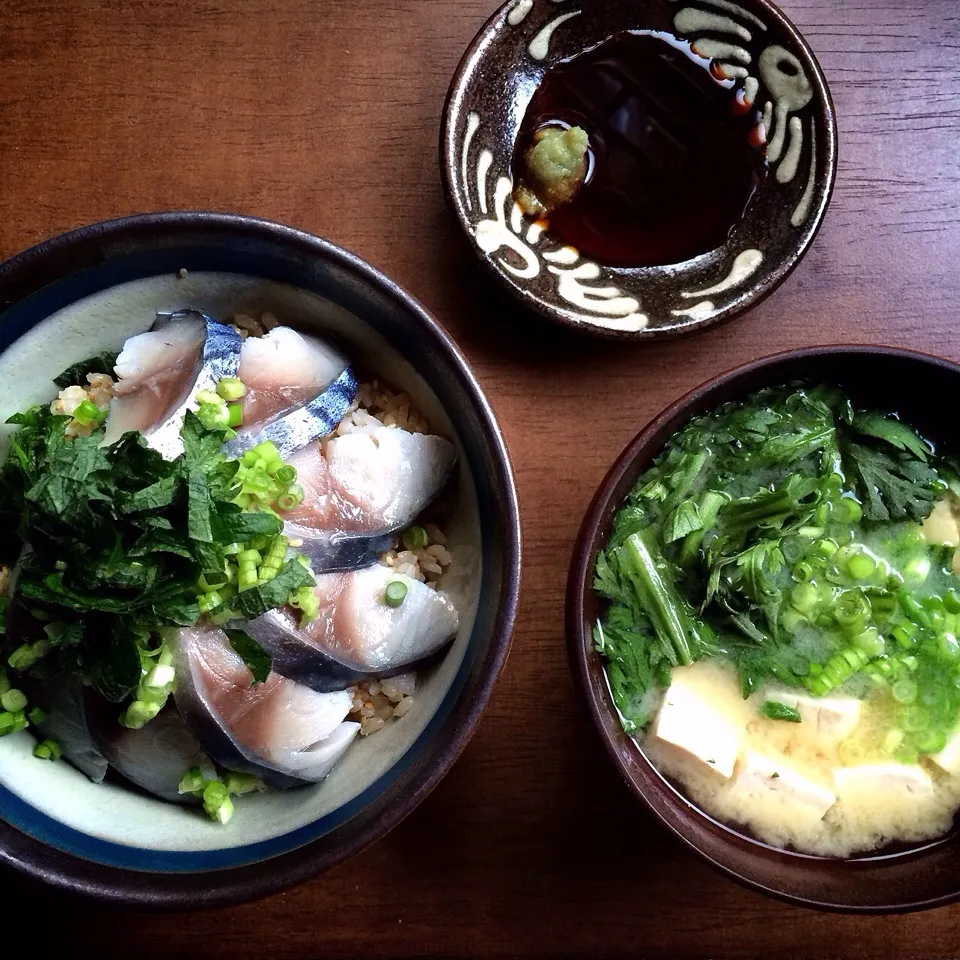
(156,756)
(356,636)
(304,424)
(330,551)
(62,700)
(293,657)
(361,489)
(220,358)
(282,370)
(278,730)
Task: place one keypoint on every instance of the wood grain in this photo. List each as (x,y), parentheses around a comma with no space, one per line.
(325,115)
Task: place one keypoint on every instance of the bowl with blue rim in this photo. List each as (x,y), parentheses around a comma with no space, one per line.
(87,291)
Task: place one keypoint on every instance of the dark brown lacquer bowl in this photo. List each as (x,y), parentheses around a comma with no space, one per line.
(911,878)
(771,78)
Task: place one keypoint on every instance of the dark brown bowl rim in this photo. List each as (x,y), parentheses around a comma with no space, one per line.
(30,270)
(758,293)
(641,449)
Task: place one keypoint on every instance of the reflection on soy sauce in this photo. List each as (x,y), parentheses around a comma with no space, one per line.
(672,168)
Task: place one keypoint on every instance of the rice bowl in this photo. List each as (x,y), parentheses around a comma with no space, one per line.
(119,816)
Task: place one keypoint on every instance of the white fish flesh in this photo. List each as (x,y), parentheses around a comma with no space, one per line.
(160,372)
(364,486)
(284,369)
(279,730)
(156,756)
(312,420)
(356,634)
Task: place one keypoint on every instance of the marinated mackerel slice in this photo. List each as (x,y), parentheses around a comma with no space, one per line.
(160,372)
(156,756)
(282,370)
(302,425)
(363,486)
(62,700)
(281,731)
(356,633)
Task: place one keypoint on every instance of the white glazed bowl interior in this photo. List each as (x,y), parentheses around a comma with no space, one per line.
(121,814)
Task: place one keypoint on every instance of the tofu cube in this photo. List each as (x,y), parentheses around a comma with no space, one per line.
(896,781)
(764,781)
(827,718)
(688,720)
(941,525)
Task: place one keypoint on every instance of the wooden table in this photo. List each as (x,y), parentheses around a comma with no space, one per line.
(325,115)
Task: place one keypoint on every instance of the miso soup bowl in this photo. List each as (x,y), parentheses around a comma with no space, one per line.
(900,879)
(86,291)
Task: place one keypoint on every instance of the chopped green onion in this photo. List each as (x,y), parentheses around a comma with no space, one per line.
(414,538)
(848,511)
(803,597)
(231,388)
(914,719)
(825,548)
(949,647)
(852,610)
(87,413)
(286,474)
(36,716)
(292,498)
(138,714)
(192,781)
(234,415)
(245,557)
(237,784)
(395,593)
(13,700)
(214,417)
(870,642)
(47,750)
(905,634)
(931,741)
(217,802)
(11,722)
(309,606)
(26,655)
(861,566)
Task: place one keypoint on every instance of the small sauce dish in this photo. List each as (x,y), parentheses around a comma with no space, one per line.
(710,160)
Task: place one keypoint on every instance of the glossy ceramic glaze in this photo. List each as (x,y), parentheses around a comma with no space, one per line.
(769,70)
(104,282)
(917,877)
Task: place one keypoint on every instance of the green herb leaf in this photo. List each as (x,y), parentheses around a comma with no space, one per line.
(77,373)
(891,486)
(254,656)
(779,711)
(258,600)
(893,431)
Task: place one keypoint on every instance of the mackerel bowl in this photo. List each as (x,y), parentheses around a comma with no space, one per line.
(86,291)
(892,879)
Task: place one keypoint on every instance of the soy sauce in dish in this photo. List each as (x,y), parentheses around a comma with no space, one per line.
(671,168)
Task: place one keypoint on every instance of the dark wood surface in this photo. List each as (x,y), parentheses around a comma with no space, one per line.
(325,115)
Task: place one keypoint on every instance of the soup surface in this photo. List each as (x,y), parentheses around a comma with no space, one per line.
(781,633)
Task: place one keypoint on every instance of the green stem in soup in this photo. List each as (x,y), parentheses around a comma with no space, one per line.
(781,533)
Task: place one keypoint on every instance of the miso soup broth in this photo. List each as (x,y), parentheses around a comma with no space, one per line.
(782,621)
